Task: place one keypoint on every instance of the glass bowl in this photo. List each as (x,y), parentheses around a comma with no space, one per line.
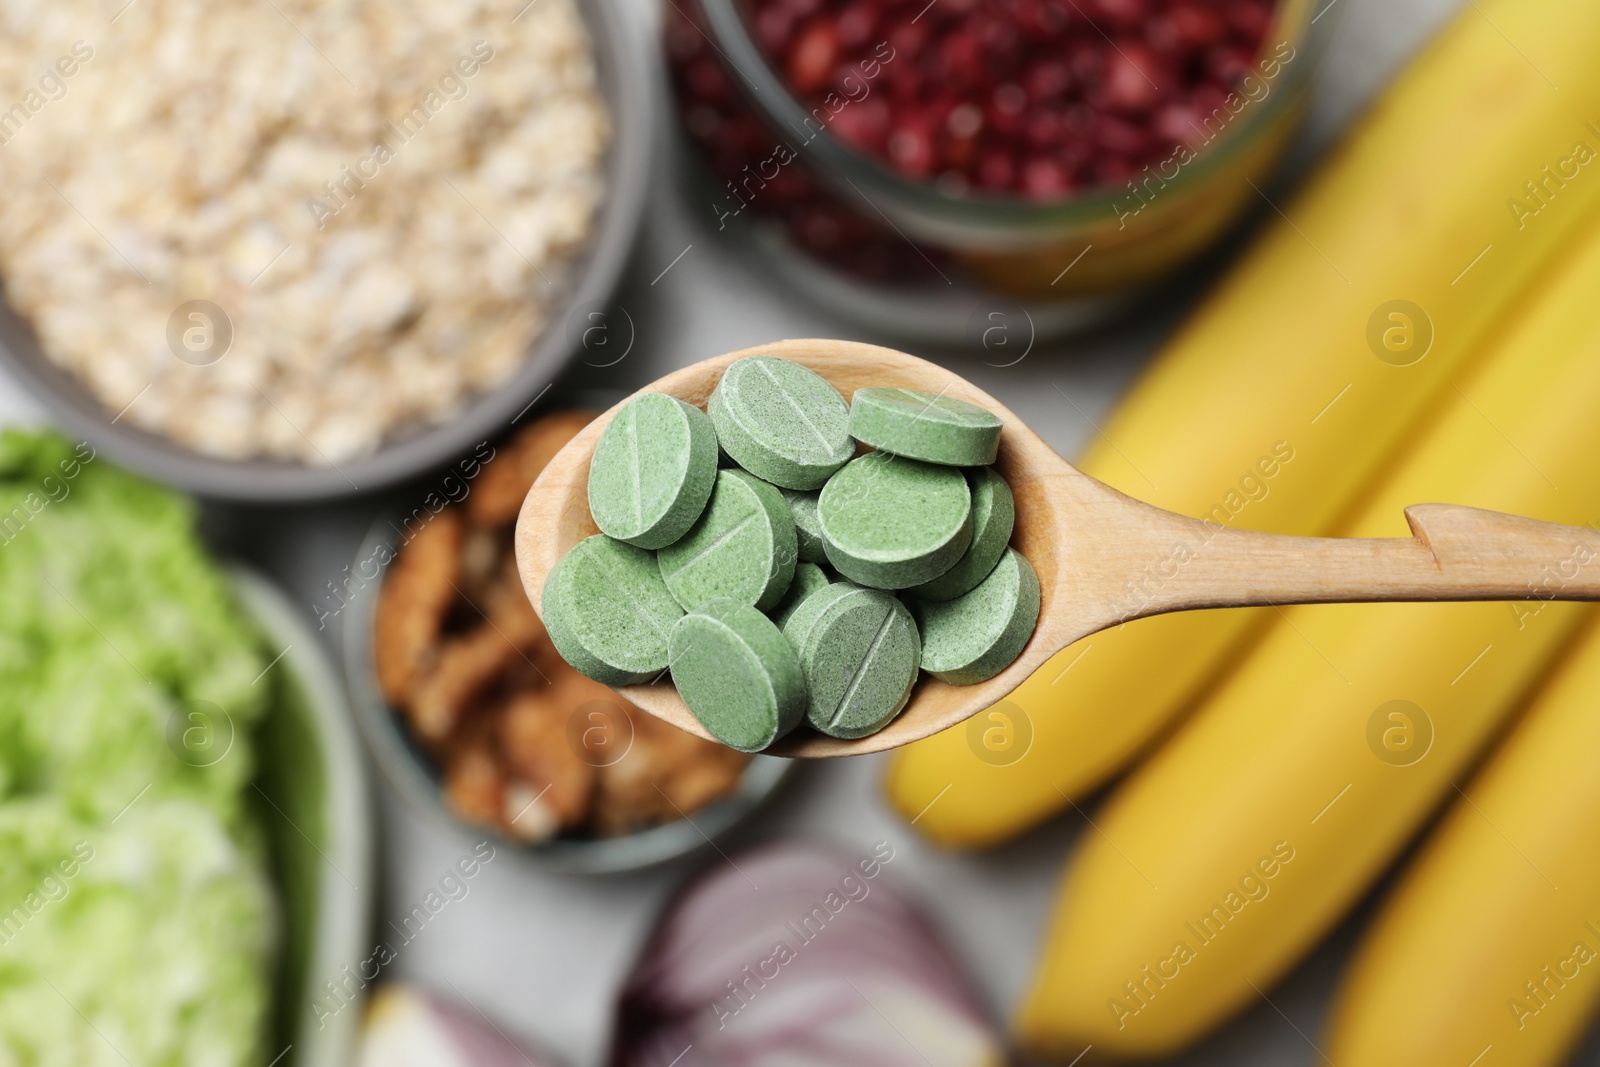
(925,262)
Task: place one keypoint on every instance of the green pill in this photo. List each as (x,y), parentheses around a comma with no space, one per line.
(860,659)
(977,635)
(781,422)
(994,512)
(893,523)
(797,624)
(737,674)
(925,426)
(807,527)
(743,547)
(808,578)
(608,612)
(652,471)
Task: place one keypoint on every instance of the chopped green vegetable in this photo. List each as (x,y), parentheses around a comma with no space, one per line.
(130,872)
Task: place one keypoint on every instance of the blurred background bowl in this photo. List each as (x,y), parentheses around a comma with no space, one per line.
(622,65)
(319,830)
(414,774)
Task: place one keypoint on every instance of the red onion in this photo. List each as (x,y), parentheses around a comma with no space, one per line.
(798,954)
(409,1027)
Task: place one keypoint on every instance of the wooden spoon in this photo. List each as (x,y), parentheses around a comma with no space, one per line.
(1103,558)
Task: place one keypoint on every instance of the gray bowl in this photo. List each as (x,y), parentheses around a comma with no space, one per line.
(592,278)
(318,829)
(412,773)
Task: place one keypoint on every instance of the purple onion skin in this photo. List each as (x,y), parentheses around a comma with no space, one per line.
(405,1020)
(799,953)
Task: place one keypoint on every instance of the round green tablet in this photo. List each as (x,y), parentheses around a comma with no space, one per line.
(608,612)
(994,512)
(860,659)
(743,547)
(925,426)
(652,471)
(807,527)
(808,578)
(976,636)
(737,674)
(797,624)
(781,422)
(893,523)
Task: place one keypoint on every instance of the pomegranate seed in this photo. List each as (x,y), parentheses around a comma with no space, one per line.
(857,26)
(813,56)
(1133,78)
(1249,19)
(1228,65)
(774,28)
(961,58)
(996,171)
(1119,14)
(1178,124)
(863,125)
(1024,98)
(1118,137)
(964,121)
(1197,27)
(1049,80)
(911,149)
(1045,179)
(908,39)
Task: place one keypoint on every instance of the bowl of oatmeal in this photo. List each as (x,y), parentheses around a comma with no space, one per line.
(300,250)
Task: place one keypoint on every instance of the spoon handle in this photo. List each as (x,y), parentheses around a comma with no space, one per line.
(1456,553)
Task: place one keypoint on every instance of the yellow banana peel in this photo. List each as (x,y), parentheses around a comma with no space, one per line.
(1315,360)
(1489,948)
(1251,832)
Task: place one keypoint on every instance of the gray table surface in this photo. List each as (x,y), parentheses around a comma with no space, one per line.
(544,954)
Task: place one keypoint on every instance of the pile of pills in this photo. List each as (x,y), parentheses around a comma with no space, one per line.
(779,575)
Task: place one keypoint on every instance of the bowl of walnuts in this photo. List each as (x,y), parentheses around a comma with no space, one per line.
(474,718)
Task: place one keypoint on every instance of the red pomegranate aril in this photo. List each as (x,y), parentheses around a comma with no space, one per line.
(960,58)
(1087,62)
(1029,98)
(1045,179)
(911,149)
(800,9)
(1120,138)
(1132,79)
(964,121)
(774,27)
(1049,80)
(863,125)
(1178,124)
(857,26)
(1118,14)
(813,56)
(1045,128)
(1249,19)
(1228,65)
(908,39)
(996,171)
(1198,26)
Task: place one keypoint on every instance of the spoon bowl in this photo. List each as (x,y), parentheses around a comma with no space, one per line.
(1103,558)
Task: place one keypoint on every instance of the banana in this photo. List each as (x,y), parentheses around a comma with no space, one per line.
(1284,395)
(1246,837)
(1499,918)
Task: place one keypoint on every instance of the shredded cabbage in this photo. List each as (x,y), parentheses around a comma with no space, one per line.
(136,919)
